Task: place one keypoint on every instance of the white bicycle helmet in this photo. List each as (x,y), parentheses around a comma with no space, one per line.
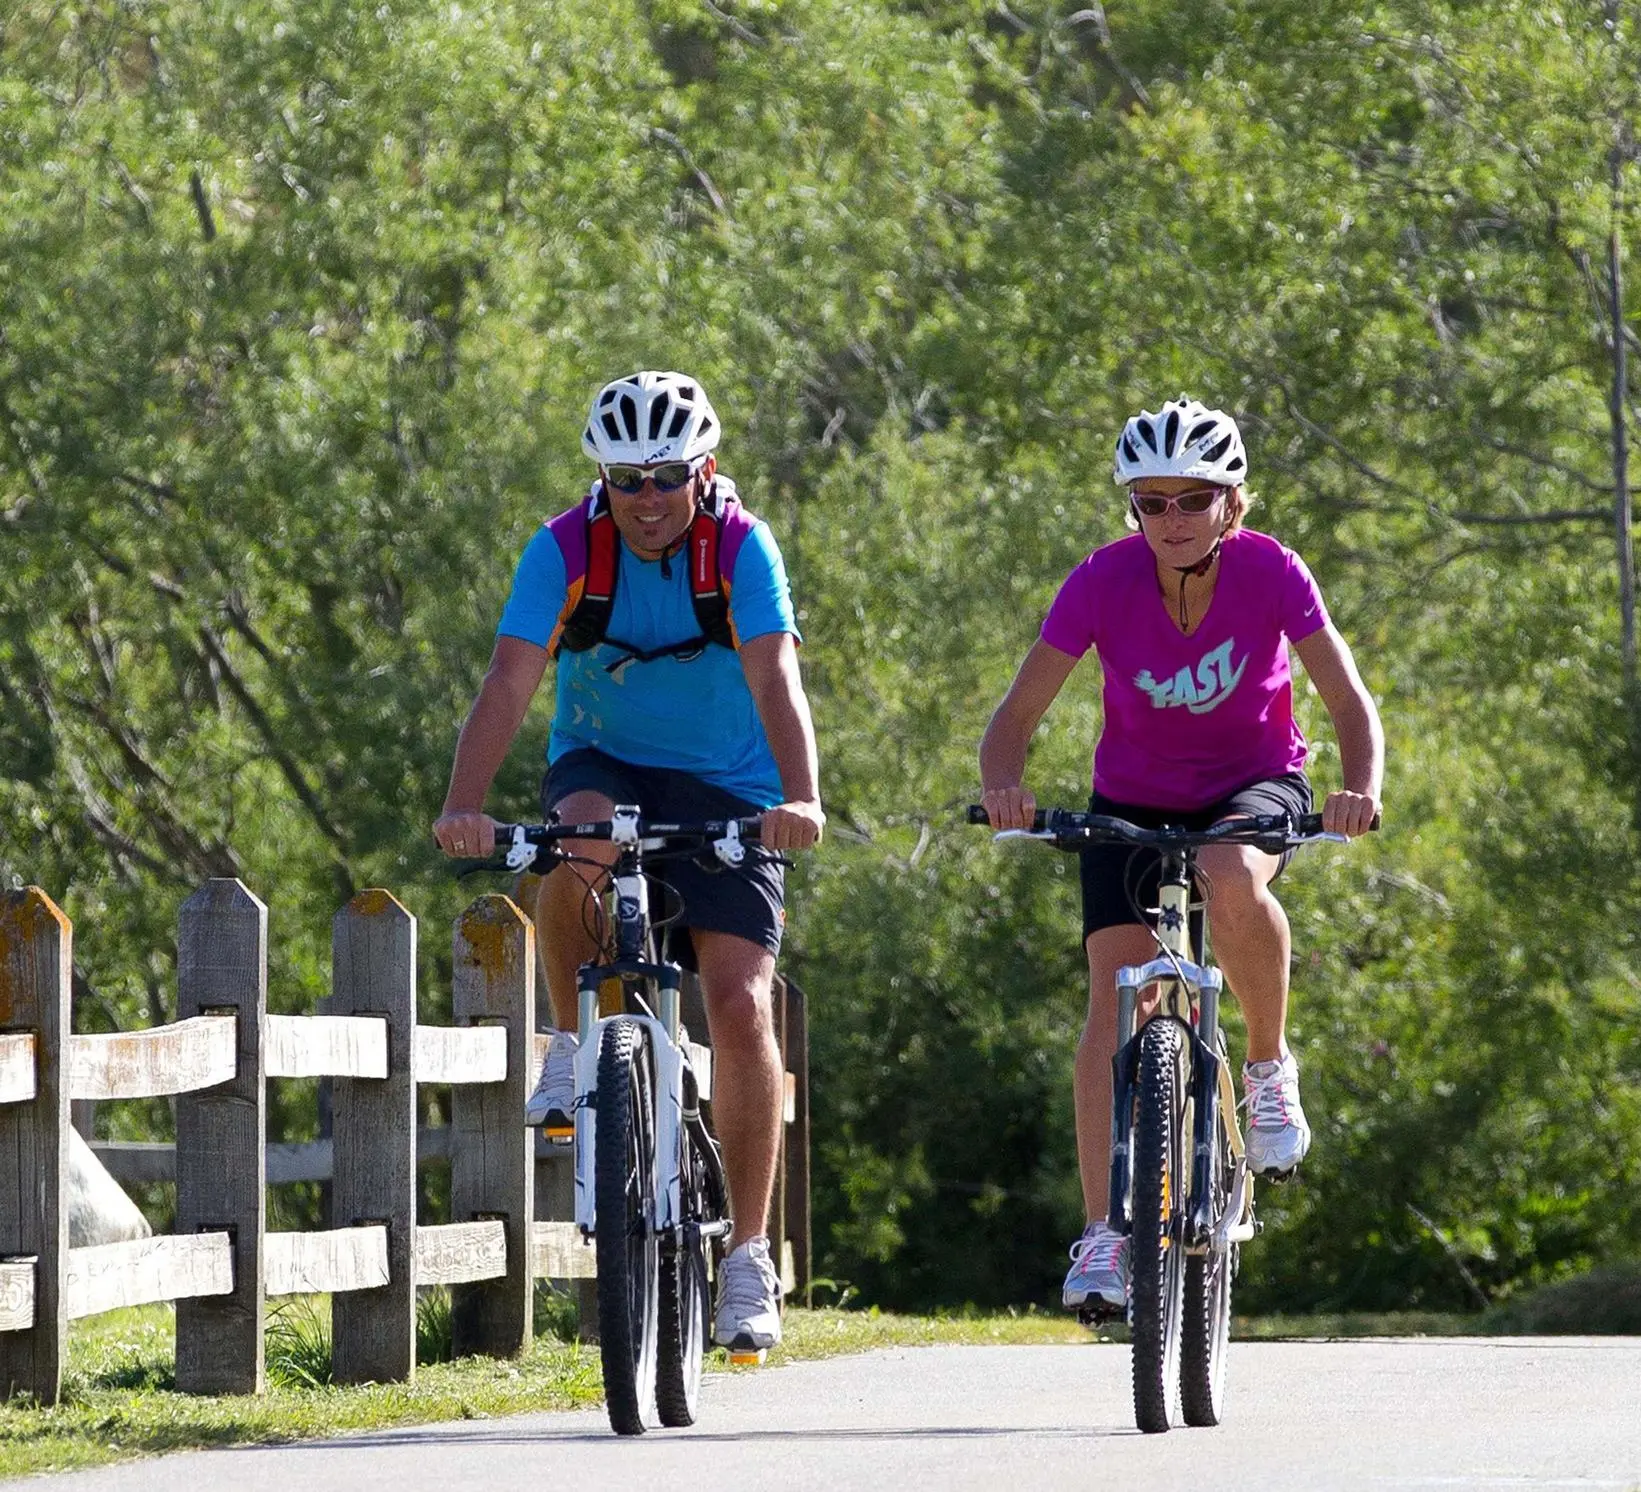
(1183,439)
(649,417)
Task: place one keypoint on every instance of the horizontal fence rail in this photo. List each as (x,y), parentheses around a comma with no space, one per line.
(221,1265)
(318,1046)
(197,1053)
(16,1067)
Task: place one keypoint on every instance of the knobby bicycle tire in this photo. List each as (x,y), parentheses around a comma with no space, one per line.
(685,1295)
(627,1249)
(1206,1327)
(1157,1200)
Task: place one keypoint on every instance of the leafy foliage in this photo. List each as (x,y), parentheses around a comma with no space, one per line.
(299,309)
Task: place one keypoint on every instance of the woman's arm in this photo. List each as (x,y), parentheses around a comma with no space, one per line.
(1328,661)
(1003,747)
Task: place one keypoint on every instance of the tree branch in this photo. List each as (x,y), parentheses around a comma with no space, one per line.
(202,206)
(1135,98)
(97,809)
(154,798)
(286,763)
(682,151)
(1562,515)
(746,33)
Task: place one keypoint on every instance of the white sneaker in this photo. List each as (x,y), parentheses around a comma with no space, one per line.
(553,1102)
(1278,1135)
(749,1300)
(1099,1268)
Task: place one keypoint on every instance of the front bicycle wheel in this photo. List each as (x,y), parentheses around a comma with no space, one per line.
(1158,1202)
(686,1298)
(1208,1278)
(628,1251)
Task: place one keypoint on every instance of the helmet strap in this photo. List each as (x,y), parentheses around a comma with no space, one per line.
(1185,572)
(1203,565)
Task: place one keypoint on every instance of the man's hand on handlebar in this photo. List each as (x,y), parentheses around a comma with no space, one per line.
(792,826)
(466,836)
(1348,813)
(1010,807)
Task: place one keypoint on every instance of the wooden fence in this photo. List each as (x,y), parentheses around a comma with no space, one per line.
(221,1264)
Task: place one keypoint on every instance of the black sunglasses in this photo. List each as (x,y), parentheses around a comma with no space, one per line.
(669,476)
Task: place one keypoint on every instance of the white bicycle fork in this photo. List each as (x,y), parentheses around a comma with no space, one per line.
(665,1207)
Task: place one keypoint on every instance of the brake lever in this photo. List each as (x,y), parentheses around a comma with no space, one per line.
(521,854)
(729,849)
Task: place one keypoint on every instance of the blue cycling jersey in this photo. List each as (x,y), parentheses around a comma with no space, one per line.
(697,716)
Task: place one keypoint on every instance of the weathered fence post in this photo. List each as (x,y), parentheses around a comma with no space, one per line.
(795,1148)
(555,1202)
(775,1222)
(373,1124)
(492,1153)
(222,966)
(35,969)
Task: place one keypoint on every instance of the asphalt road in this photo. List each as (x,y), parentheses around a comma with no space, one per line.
(1502,1414)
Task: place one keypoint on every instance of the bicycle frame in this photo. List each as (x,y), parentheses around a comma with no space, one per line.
(1188,993)
(672,1063)
(1184,1217)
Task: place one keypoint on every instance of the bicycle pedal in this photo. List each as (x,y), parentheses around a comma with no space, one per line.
(753,1359)
(560,1136)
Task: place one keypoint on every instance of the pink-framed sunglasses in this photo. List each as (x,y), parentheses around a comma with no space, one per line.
(1194,500)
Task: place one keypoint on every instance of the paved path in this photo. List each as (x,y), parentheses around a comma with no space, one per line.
(1478,1415)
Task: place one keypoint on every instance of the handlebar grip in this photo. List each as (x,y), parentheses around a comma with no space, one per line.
(978,815)
(1311,823)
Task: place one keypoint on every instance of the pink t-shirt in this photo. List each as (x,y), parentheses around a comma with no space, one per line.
(1190,720)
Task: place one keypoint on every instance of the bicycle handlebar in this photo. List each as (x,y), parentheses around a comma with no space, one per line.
(533,846)
(647,830)
(1071,827)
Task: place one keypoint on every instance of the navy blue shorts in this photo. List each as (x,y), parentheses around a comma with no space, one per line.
(746,900)
(1119,879)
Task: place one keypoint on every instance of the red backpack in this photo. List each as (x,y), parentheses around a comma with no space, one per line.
(591,546)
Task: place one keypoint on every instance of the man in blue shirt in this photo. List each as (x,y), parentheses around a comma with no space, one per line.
(657,705)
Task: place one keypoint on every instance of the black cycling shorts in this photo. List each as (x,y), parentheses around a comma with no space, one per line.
(1119,879)
(747,900)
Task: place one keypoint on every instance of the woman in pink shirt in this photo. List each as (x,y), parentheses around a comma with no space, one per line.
(1192,618)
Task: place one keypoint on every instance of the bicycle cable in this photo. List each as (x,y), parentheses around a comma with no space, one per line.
(1143,914)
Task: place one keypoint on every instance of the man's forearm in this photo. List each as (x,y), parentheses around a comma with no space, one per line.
(791,733)
(482,746)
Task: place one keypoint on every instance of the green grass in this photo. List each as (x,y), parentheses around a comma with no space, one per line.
(119,1399)
(1355,1324)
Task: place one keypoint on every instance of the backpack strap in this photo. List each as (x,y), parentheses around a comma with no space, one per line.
(591,547)
(720,528)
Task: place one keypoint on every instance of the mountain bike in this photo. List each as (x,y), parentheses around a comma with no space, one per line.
(649,1180)
(1180,1184)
